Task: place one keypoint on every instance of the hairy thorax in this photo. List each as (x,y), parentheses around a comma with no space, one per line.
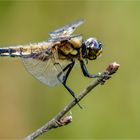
(69,49)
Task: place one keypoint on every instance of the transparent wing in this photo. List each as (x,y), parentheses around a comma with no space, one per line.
(59,39)
(67,30)
(45,69)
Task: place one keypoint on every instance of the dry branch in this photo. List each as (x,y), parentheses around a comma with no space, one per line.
(60,119)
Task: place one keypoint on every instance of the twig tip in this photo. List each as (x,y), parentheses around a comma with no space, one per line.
(112,68)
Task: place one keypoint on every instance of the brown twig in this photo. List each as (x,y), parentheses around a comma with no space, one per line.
(59,120)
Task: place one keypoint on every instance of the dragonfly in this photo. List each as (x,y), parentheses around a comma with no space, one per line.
(51,61)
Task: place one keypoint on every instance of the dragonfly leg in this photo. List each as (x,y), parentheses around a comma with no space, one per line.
(85,71)
(72,93)
(69,68)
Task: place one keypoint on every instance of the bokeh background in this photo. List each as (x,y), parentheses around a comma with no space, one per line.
(111,111)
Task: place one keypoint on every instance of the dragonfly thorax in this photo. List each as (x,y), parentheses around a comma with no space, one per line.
(93,48)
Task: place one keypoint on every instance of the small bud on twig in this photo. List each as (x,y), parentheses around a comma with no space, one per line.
(66,120)
(112,68)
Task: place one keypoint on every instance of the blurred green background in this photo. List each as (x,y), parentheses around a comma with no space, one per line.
(111,111)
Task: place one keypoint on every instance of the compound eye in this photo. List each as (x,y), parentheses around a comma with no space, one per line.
(94,44)
(99,45)
(90,43)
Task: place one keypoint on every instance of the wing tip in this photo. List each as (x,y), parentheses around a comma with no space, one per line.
(73,25)
(78,22)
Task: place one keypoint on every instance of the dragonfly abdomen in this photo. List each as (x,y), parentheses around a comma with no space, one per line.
(24,50)
(6,51)
(15,51)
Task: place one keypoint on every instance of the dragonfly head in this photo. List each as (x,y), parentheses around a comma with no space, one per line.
(93,47)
